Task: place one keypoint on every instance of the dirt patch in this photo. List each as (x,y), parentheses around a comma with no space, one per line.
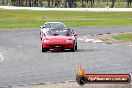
(108,38)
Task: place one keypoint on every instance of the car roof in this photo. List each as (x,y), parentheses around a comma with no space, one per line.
(59,29)
(53,22)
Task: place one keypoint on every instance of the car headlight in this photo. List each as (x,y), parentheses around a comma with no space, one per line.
(68,40)
(46,40)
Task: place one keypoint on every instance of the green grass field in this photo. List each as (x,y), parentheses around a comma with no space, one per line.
(33,19)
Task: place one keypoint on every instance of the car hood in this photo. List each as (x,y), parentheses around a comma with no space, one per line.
(55,28)
(58,37)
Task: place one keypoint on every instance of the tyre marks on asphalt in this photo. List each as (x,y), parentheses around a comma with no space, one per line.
(1,57)
(129,45)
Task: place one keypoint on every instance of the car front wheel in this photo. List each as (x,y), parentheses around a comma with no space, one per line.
(73,49)
(44,50)
(76,47)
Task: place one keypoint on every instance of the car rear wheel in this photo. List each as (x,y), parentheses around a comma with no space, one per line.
(40,35)
(44,50)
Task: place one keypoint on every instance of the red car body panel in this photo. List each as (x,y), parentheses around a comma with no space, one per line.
(58,41)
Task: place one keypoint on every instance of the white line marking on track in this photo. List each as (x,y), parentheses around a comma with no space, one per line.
(93,40)
(1,57)
(80,39)
(129,45)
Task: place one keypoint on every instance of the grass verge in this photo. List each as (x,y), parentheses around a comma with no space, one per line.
(33,19)
(125,37)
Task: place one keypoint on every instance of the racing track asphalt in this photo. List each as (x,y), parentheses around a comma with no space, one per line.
(24,63)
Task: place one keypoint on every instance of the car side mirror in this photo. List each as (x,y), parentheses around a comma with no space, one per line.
(75,35)
(44,34)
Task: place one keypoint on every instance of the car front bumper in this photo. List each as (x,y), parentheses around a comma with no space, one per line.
(57,45)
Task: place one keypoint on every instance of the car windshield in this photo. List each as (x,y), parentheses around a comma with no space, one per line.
(58,32)
(54,25)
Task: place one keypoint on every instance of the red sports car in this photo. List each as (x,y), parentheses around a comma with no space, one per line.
(60,38)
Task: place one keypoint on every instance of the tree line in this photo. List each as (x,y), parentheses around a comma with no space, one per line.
(58,3)
(51,3)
